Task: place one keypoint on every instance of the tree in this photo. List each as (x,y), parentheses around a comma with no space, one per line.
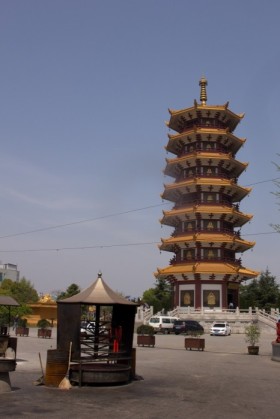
(159,297)
(262,292)
(23,292)
(73,289)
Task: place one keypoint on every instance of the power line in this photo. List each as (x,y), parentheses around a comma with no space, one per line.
(80,222)
(100,246)
(264,181)
(106,246)
(108,216)
(259,234)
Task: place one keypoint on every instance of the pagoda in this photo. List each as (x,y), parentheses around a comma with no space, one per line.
(206,269)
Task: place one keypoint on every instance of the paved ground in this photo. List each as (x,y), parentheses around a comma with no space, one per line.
(221,382)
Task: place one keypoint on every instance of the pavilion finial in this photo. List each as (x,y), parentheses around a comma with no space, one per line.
(99,274)
(203,94)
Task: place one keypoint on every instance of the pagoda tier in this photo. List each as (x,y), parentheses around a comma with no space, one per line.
(197,163)
(205,270)
(204,189)
(202,139)
(226,214)
(199,116)
(224,272)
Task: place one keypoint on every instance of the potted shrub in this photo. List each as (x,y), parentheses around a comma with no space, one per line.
(21,328)
(194,340)
(145,335)
(252,336)
(44,328)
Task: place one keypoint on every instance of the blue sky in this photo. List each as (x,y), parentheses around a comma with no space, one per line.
(84,96)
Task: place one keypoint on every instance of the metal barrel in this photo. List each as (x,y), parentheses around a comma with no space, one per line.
(56,367)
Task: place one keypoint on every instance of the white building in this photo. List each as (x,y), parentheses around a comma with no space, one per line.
(9,271)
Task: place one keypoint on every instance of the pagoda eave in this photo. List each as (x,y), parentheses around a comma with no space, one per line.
(174,190)
(207,270)
(226,161)
(217,212)
(227,240)
(220,113)
(222,136)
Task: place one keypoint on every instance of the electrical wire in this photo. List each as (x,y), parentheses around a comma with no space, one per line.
(80,222)
(103,217)
(100,246)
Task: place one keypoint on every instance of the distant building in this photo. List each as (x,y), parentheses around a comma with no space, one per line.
(9,271)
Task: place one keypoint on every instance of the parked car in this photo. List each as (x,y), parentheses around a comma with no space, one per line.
(88,328)
(220,329)
(163,324)
(187,326)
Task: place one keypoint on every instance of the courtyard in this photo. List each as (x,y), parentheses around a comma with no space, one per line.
(223,381)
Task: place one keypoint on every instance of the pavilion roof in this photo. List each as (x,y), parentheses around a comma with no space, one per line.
(6,300)
(97,293)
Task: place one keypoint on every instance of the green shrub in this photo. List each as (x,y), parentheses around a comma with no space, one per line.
(252,334)
(22,322)
(43,324)
(145,329)
(195,333)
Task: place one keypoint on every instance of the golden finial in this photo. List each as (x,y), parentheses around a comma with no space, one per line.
(203,94)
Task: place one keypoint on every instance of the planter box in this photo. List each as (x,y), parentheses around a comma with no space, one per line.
(275,351)
(44,333)
(195,343)
(146,340)
(253,350)
(22,331)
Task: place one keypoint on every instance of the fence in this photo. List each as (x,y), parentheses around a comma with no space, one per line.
(238,318)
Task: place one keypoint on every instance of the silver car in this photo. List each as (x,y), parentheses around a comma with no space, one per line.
(220,329)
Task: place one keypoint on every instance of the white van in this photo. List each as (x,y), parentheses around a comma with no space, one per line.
(163,324)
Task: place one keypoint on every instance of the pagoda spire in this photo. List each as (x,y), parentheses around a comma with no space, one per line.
(203,94)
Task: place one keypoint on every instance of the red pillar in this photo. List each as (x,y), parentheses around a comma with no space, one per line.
(224,295)
(197,294)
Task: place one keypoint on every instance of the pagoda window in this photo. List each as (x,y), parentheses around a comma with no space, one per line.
(188,225)
(211,254)
(187,254)
(211,225)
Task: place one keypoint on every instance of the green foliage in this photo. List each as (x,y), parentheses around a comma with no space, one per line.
(262,292)
(22,291)
(7,315)
(43,324)
(145,329)
(73,289)
(195,333)
(22,322)
(159,297)
(252,334)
